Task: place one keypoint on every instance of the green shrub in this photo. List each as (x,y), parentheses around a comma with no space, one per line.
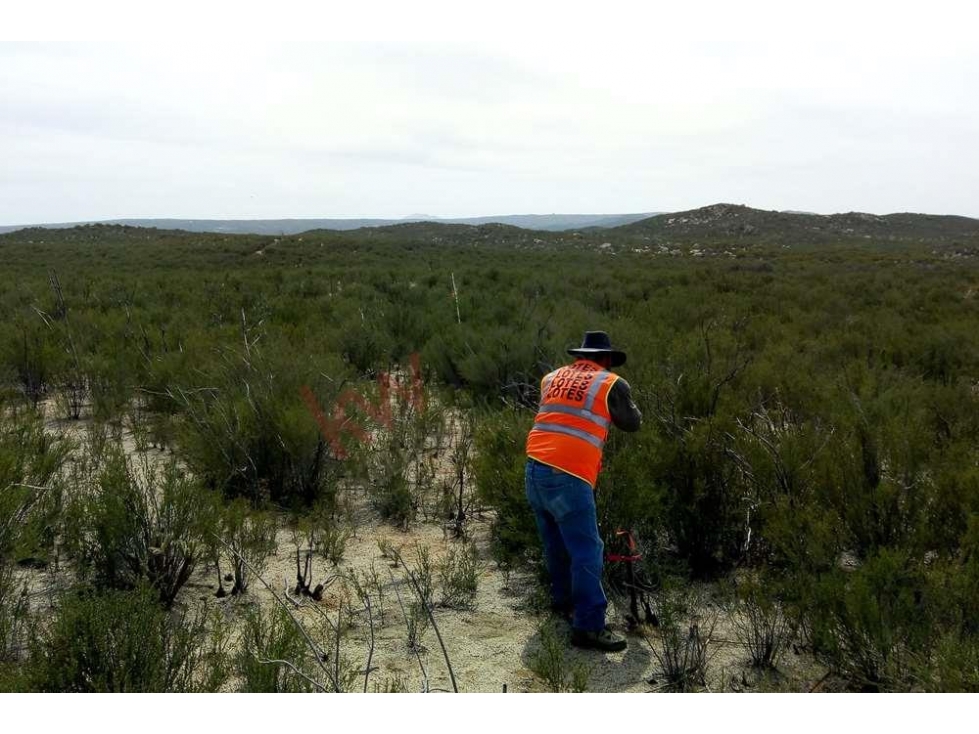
(30,493)
(141,524)
(953,666)
(14,618)
(458,576)
(559,672)
(705,507)
(247,538)
(761,624)
(272,650)
(950,660)
(34,355)
(498,470)
(397,461)
(123,641)
(681,644)
(871,623)
(417,623)
(30,517)
(424,574)
(250,434)
(110,385)
(369,590)
(781,456)
(332,543)
(691,406)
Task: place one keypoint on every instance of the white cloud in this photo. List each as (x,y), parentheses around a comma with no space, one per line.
(590,108)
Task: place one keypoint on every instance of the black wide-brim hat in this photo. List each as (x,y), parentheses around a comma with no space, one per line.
(596,343)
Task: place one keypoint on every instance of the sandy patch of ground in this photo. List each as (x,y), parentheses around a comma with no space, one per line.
(490,644)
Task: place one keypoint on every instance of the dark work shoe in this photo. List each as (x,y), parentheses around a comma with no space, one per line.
(605,640)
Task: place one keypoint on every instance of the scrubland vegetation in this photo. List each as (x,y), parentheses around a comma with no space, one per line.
(810,450)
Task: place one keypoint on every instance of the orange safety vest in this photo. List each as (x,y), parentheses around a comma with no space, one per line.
(572,422)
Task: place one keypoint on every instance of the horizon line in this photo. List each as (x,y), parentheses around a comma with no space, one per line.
(301,217)
(431,217)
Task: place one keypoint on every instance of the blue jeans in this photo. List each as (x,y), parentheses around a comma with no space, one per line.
(564,507)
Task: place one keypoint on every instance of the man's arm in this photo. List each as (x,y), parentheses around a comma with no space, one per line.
(625,414)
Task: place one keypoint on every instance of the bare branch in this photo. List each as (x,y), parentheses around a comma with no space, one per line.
(293,668)
(370,652)
(431,617)
(404,613)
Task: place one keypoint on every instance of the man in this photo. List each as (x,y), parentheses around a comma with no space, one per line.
(564,457)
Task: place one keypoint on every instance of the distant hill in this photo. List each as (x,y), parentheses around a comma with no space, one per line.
(725,223)
(711,228)
(541,222)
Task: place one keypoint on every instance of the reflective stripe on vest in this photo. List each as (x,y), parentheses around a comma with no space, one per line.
(581,412)
(572,422)
(568,430)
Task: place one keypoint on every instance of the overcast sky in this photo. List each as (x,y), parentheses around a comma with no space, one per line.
(509,112)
